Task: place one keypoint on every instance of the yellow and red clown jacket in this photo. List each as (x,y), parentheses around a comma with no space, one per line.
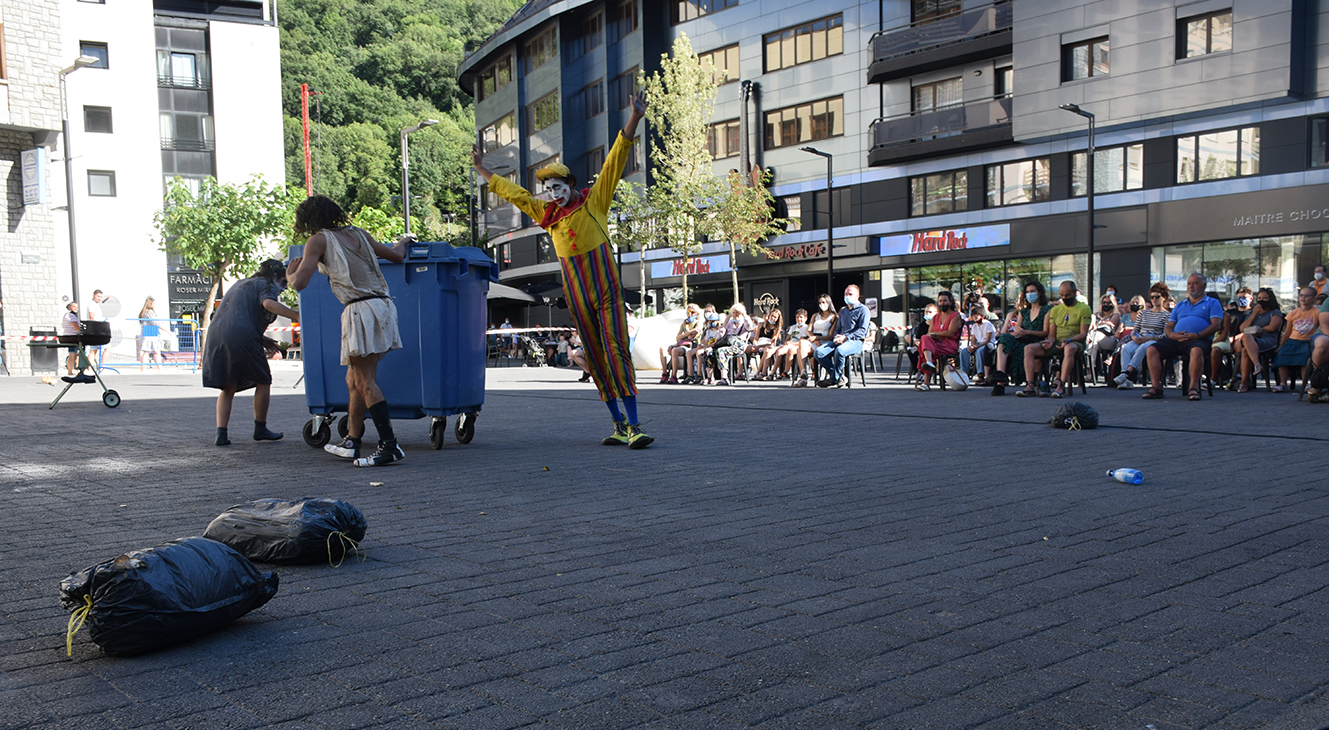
(583,225)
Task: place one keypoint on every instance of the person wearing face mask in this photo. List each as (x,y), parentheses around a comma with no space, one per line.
(696,360)
(578,224)
(1318,281)
(688,332)
(819,332)
(1146,329)
(1261,330)
(1105,334)
(1068,328)
(851,329)
(1028,326)
(942,339)
(795,349)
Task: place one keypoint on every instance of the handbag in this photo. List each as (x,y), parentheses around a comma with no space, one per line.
(955,379)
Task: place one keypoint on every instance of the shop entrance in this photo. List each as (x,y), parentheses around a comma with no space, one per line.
(804,290)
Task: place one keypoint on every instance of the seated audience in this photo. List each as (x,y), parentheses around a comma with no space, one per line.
(1295,349)
(1068,327)
(979,342)
(737,331)
(694,362)
(796,348)
(1192,323)
(688,332)
(1028,327)
(1105,333)
(1150,327)
(1228,337)
(820,331)
(768,338)
(577,354)
(1320,346)
(1260,333)
(942,339)
(851,328)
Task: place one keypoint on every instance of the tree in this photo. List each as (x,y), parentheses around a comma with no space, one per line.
(637,228)
(681,97)
(224,228)
(742,216)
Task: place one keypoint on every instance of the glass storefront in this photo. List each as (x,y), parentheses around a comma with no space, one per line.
(1001,282)
(1281,263)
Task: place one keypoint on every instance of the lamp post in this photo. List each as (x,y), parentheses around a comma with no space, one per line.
(830,219)
(80,62)
(1089,187)
(405,170)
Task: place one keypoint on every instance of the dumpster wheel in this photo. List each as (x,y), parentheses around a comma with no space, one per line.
(316,432)
(437,427)
(465,428)
(344,426)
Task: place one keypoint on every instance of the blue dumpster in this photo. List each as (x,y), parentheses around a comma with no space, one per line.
(440,292)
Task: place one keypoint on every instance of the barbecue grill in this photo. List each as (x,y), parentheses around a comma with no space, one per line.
(90,334)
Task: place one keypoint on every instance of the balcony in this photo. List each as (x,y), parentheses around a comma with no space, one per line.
(188,145)
(183,81)
(973,35)
(961,127)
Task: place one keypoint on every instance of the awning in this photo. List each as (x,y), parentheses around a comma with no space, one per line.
(501,291)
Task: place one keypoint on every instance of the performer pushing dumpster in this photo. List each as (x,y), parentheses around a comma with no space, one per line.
(349,258)
(577,222)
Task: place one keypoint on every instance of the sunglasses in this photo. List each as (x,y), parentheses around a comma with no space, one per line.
(1155,296)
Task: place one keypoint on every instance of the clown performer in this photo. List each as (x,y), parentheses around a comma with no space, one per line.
(577,222)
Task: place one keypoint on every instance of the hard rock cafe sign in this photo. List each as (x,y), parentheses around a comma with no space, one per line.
(764,303)
(811,250)
(945,240)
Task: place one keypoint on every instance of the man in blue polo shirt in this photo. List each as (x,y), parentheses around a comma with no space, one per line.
(1189,333)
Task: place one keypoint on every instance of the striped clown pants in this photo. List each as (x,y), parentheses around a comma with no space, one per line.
(595,298)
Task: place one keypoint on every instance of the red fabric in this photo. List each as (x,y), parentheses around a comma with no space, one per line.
(936,345)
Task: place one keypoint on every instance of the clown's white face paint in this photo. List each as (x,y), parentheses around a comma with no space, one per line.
(561,191)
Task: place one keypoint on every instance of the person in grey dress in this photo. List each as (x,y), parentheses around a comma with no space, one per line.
(235,353)
(1262,330)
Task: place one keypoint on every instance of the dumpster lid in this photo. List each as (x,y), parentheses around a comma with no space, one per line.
(436,252)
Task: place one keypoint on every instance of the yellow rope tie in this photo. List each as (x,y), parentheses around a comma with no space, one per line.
(345,540)
(1073,424)
(76,620)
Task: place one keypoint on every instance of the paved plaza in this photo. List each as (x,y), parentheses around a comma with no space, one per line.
(780,558)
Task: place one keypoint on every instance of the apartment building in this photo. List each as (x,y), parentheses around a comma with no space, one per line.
(954,165)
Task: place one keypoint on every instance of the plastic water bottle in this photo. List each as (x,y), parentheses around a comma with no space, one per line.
(1127,476)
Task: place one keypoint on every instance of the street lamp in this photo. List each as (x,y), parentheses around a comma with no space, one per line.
(830,220)
(1089,185)
(80,62)
(405,170)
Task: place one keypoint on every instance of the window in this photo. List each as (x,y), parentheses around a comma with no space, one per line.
(499,134)
(681,11)
(622,20)
(98,51)
(804,44)
(622,88)
(494,77)
(1218,155)
(101,183)
(1005,84)
(939,95)
(926,11)
(543,111)
(541,48)
(592,34)
(97,119)
(1115,169)
(722,139)
(1204,34)
(805,123)
(726,64)
(1084,60)
(490,201)
(634,158)
(794,212)
(595,162)
(1320,142)
(1015,183)
(593,98)
(530,171)
(947,192)
(185,70)
(181,131)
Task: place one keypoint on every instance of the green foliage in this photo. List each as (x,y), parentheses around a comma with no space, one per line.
(741,215)
(381,66)
(225,229)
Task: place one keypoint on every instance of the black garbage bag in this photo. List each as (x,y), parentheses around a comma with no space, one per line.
(164,595)
(278,531)
(1074,416)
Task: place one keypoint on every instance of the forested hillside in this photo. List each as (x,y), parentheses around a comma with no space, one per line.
(383,65)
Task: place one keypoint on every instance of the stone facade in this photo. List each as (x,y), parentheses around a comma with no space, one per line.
(29,108)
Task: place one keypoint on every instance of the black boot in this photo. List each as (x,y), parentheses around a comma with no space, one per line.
(261,432)
(222,439)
